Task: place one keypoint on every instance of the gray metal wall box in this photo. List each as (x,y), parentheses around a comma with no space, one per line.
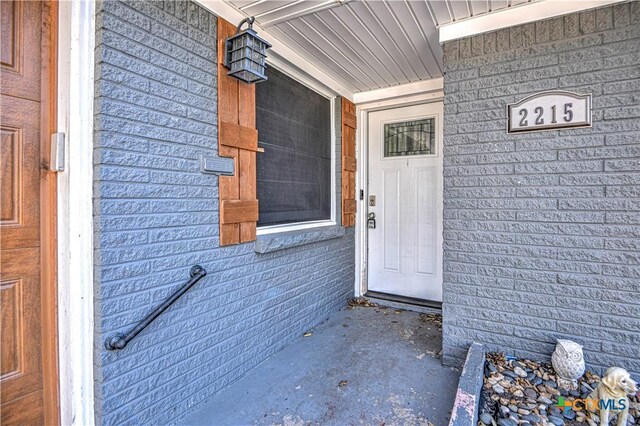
(216,165)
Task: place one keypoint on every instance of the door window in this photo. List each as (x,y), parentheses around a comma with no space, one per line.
(409,138)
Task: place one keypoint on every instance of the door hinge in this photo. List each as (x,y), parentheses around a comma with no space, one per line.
(56,162)
(362,194)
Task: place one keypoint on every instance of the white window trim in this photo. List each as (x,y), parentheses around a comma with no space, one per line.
(327,93)
(287,227)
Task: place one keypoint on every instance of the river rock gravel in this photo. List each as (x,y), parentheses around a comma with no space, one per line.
(521,392)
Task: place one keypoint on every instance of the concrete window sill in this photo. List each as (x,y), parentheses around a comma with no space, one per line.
(284,240)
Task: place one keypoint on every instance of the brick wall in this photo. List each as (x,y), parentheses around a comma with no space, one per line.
(542,230)
(156,215)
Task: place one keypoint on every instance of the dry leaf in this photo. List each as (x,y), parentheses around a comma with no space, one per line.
(361,301)
(342,383)
(432,318)
(307,334)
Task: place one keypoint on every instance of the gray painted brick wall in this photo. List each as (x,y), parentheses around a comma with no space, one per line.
(156,215)
(542,230)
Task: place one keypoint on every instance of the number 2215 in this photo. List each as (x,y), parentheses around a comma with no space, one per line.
(567,117)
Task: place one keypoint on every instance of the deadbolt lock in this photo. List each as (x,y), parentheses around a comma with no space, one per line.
(372,200)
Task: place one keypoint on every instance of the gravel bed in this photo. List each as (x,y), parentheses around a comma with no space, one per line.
(523,392)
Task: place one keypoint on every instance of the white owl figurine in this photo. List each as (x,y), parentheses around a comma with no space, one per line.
(568,362)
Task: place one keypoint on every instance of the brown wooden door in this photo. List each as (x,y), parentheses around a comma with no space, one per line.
(25,262)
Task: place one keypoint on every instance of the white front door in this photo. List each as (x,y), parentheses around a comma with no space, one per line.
(405,187)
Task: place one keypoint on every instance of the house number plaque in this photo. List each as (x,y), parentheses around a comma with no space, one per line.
(549,111)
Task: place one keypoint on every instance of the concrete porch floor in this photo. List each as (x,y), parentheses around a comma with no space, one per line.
(366,365)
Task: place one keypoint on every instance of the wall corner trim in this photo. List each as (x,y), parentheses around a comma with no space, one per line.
(75,220)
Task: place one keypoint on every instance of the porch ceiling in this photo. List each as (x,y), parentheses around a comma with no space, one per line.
(367,45)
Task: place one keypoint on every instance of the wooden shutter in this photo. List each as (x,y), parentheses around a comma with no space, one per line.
(348,163)
(237,139)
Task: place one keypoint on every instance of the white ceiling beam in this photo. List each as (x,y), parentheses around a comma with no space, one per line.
(400,91)
(228,12)
(518,15)
(283,17)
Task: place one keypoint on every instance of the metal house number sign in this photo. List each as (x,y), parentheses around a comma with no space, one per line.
(549,111)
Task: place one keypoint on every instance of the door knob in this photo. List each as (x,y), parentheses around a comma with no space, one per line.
(371,221)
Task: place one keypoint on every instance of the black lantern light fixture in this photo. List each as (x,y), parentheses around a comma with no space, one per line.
(246,54)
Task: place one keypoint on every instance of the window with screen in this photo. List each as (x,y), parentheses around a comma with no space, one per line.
(294,171)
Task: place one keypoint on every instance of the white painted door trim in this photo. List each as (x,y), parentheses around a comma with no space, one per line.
(76,41)
(419,89)
(362,155)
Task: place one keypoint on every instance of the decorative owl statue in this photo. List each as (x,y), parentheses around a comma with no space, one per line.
(568,362)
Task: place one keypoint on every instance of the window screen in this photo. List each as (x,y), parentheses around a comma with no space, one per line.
(294,171)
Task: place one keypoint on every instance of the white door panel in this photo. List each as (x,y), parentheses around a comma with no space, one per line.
(405,176)
(391,219)
(426,220)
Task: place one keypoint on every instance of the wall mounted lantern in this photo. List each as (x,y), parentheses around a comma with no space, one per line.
(246,54)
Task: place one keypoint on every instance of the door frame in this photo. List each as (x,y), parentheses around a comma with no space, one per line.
(378,100)
(75,297)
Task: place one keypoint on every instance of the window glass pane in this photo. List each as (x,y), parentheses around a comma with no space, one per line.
(409,138)
(294,171)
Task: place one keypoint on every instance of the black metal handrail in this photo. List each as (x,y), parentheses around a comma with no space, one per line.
(119,341)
